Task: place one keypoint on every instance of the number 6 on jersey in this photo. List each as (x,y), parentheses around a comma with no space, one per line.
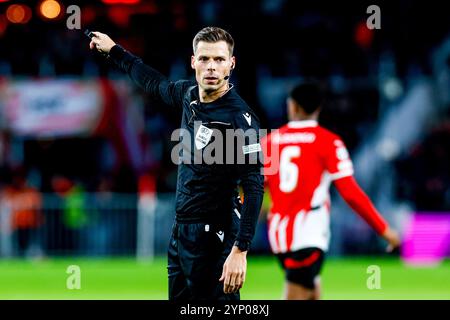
(289,170)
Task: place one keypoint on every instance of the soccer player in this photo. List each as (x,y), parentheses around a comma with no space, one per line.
(211,233)
(310,158)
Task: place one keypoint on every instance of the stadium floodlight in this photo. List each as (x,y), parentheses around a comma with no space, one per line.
(18,13)
(50,9)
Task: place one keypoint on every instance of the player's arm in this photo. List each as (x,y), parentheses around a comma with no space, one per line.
(251,179)
(234,269)
(252,182)
(147,78)
(339,164)
(357,199)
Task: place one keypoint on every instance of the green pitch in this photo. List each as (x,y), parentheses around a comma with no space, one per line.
(127,279)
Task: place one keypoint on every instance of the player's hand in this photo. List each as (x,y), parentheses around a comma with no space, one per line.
(234,270)
(392,237)
(102,42)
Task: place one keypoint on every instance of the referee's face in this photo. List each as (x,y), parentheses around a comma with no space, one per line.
(212,62)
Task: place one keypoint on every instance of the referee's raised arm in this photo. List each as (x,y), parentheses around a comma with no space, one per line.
(102,42)
(146,77)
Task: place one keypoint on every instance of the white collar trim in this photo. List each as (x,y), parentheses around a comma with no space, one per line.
(302,124)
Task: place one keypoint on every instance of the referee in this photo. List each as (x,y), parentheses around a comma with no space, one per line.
(212,232)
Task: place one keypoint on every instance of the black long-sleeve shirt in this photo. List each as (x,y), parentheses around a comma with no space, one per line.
(208,192)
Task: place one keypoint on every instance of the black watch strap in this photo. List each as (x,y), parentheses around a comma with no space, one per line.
(242,245)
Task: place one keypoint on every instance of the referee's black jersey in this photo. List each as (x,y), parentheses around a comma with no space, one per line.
(211,166)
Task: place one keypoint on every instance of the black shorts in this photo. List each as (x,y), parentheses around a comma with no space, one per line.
(302,266)
(197,252)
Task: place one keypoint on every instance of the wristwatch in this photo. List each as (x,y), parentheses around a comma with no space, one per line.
(242,245)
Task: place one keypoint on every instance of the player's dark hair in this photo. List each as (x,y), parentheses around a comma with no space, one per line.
(213,34)
(308,95)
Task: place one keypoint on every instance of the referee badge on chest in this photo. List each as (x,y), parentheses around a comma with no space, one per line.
(202,137)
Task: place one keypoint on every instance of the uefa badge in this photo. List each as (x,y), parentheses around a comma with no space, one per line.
(202,137)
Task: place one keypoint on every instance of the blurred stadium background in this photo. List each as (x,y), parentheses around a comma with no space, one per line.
(85,172)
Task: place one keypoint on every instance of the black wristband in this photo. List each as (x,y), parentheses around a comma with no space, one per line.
(116,52)
(242,245)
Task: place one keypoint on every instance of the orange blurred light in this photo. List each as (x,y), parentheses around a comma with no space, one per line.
(50,9)
(18,13)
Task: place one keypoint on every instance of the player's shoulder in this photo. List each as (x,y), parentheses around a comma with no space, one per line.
(329,139)
(244,117)
(185,85)
(327,134)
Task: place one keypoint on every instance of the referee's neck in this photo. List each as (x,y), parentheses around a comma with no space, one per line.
(211,96)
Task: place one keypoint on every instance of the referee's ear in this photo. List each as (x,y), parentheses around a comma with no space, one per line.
(233,62)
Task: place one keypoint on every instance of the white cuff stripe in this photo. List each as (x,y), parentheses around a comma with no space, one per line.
(341,174)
